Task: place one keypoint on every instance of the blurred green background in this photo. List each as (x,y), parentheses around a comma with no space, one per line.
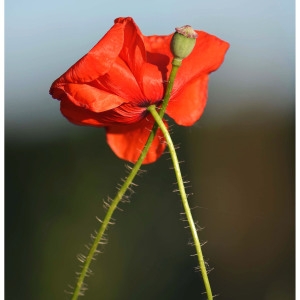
(242,178)
(239,159)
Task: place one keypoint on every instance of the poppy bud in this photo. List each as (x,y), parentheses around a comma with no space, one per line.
(183,41)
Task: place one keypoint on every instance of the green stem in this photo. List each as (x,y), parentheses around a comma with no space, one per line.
(185,203)
(80,282)
(108,216)
(176,63)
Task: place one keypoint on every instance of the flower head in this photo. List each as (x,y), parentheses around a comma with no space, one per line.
(125,72)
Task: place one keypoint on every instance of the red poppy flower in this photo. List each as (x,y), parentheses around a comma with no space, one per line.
(125,72)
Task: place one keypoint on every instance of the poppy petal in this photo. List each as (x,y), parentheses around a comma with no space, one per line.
(152,83)
(128,141)
(79,115)
(87,96)
(133,48)
(120,81)
(98,60)
(188,105)
(124,39)
(148,75)
(123,114)
(159,53)
(155,73)
(158,44)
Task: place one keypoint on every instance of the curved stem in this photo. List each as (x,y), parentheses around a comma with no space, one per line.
(108,216)
(80,282)
(185,203)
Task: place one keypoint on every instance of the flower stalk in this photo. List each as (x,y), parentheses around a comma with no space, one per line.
(184,199)
(108,217)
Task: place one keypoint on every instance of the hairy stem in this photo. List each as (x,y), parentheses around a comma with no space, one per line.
(108,216)
(185,203)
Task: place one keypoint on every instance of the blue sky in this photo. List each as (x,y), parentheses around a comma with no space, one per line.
(43,39)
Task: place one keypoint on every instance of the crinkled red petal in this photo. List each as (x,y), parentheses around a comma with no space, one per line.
(128,141)
(120,81)
(116,65)
(87,96)
(123,114)
(188,105)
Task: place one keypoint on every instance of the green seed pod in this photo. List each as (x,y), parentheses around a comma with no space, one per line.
(183,41)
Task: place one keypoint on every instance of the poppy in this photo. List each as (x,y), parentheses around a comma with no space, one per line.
(125,72)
